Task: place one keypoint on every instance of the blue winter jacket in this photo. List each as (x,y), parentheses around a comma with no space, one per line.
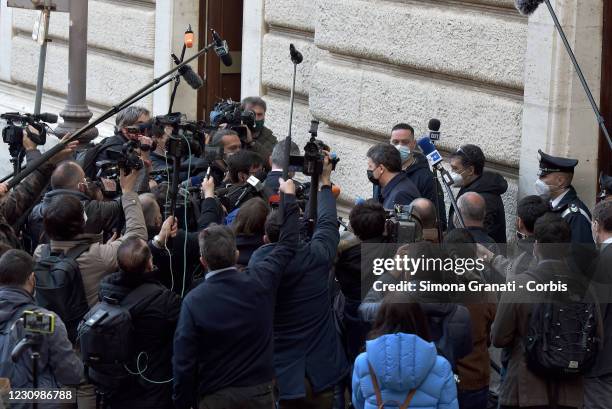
(403,362)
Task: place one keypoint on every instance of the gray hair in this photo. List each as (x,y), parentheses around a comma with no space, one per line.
(150,208)
(217,138)
(218,247)
(278,153)
(129,116)
(472,206)
(256,101)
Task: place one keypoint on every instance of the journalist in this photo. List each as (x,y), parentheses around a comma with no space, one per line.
(263,137)
(223,351)
(385,170)
(58,364)
(154,311)
(467,165)
(473,208)
(277,160)
(308,356)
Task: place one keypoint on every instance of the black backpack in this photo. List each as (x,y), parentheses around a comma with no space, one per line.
(59,286)
(106,337)
(563,339)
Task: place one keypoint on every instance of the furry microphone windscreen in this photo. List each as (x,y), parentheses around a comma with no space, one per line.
(527,7)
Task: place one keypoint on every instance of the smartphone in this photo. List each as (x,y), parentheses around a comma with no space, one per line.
(39,322)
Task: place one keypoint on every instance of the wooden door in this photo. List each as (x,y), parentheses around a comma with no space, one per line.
(220,82)
(605,154)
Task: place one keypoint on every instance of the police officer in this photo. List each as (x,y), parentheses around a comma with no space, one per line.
(555,185)
(605,183)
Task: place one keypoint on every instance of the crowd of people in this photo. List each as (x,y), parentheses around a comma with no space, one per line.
(246,296)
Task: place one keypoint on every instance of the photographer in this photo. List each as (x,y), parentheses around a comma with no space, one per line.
(64,222)
(16,203)
(69,179)
(223,345)
(263,138)
(308,356)
(385,169)
(154,313)
(58,364)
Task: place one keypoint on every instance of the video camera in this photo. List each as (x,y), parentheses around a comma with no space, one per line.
(231,113)
(403,225)
(312,162)
(183,132)
(16,123)
(126,159)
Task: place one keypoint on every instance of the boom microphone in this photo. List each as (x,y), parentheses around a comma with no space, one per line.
(434,129)
(296,56)
(222,49)
(191,77)
(527,7)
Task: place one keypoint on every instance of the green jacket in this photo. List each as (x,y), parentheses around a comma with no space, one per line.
(263,143)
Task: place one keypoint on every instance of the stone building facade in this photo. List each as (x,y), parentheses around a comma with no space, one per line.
(492,76)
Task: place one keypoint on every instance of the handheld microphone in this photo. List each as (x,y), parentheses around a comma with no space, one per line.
(434,129)
(191,77)
(189,37)
(296,56)
(434,158)
(527,7)
(222,49)
(253,184)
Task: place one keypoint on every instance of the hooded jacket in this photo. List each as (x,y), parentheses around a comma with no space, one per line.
(401,363)
(58,364)
(490,186)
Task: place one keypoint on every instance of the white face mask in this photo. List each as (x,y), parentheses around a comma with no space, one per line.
(457,179)
(542,189)
(404,152)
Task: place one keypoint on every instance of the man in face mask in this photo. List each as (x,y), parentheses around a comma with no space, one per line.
(263,138)
(467,171)
(554,184)
(416,167)
(385,170)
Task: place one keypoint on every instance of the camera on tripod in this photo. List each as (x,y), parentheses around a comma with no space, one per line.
(237,119)
(403,225)
(16,123)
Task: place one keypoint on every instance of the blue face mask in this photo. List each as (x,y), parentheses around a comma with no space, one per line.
(404,152)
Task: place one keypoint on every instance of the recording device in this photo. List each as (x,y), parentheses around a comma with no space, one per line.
(231,113)
(296,56)
(38,322)
(253,185)
(403,225)
(127,159)
(527,7)
(433,129)
(312,162)
(16,123)
(429,150)
(221,49)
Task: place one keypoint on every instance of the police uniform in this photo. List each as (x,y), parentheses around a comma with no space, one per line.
(605,183)
(570,208)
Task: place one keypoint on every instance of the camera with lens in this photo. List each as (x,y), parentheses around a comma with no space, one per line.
(312,162)
(127,159)
(237,119)
(403,225)
(16,123)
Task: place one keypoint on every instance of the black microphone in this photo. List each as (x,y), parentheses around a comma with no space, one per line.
(222,49)
(434,129)
(191,77)
(527,7)
(46,117)
(296,56)
(253,185)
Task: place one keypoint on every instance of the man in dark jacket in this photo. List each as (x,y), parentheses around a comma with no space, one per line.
(416,167)
(598,381)
(223,351)
(467,166)
(276,164)
(16,203)
(58,364)
(385,169)
(308,356)
(473,209)
(263,138)
(69,179)
(154,316)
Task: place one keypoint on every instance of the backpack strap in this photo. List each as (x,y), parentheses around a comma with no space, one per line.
(377,392)
(76,252)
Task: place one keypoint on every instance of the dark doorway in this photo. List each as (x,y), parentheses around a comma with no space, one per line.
(605,155)
(220,82)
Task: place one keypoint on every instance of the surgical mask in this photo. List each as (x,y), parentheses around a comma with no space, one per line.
(542,189)
(457,179)
(259,124)
(404,152)
(372,179)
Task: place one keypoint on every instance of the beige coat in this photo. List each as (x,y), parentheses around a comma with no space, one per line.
(101,259)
